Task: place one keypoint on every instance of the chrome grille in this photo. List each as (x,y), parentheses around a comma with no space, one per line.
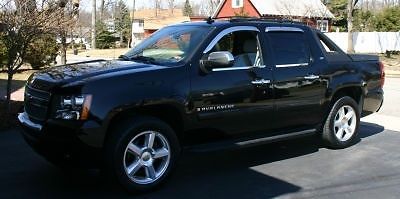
(36,103)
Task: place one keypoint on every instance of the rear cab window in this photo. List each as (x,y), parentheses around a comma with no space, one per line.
(290,48)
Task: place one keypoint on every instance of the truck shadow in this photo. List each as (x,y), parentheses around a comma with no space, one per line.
(16,85)
(220,174)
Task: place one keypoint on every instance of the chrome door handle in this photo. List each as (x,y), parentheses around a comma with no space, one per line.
(261,81)
(311,77)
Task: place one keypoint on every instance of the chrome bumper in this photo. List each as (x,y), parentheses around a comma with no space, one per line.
(24,119)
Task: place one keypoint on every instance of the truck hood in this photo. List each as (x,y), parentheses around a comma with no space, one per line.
(59,75)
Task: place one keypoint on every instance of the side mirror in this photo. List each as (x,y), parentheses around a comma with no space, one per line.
(220,59)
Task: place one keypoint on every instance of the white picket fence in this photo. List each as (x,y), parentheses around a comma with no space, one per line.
(368,42)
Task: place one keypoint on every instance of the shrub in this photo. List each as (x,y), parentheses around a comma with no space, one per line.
(42,52)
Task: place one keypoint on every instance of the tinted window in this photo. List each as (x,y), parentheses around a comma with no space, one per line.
(289,48)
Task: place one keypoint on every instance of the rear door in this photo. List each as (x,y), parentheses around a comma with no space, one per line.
(297,85)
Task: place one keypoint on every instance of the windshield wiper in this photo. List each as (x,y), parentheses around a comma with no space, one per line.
(144,59)
(124,57)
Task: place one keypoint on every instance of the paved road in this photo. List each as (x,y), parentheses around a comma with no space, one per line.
(292,169)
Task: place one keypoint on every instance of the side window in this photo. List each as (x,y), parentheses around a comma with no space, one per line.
(328,47)
(244,46)
(290,48)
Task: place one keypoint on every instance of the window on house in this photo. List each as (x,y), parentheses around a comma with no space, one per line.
(323,25)
(237,3)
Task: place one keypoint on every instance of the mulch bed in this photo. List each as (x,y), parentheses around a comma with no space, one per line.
(9,120)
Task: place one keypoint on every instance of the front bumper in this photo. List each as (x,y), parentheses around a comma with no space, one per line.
(60,142)
(24,120)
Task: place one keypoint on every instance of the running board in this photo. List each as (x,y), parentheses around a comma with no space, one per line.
(231,144)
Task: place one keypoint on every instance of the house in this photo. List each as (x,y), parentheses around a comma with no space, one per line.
(312,12)
(145,22)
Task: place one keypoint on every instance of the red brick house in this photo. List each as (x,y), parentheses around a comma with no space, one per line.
(312,12)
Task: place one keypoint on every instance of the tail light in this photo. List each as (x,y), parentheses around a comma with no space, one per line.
(382,69)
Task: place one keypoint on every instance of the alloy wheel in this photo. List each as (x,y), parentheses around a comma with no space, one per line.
(345,123)
(147,157)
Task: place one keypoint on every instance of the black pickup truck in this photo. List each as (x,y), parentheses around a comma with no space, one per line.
(200,86)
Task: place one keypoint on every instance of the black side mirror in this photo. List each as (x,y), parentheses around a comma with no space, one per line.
(220,59)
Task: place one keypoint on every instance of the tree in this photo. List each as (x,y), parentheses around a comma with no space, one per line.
(350,13)
(42,51)
(22,25)
(338,9)
(157,7)
(388,20)
(187,9)
(122,20)
(104,38)
(171,7)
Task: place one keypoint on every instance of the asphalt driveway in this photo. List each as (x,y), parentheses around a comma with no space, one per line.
(291,169)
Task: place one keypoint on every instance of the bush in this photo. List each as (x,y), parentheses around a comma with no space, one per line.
(42,52)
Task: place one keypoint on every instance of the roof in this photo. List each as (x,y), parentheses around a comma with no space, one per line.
(306,8)
(164,18)
(155,24)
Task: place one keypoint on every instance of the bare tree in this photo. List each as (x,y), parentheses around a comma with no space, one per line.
(93,24)
(21,28)
(157,7)
(102,9)
(171,7)
(350,13)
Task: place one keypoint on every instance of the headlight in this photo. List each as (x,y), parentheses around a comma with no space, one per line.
(74,107)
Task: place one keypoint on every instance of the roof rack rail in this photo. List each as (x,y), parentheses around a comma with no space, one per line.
(271,20)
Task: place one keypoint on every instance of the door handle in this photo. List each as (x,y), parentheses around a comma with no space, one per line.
(311,77)
(261,81)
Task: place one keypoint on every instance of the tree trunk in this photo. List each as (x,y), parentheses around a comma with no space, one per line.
(63,50)
(101,10)
(93,33)
(9,86)
(350,7)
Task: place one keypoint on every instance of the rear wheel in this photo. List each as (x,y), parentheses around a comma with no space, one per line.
(141,153)
(341,126)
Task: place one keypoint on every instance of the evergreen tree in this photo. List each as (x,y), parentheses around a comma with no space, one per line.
(122,20)
(187,9)
(339,10)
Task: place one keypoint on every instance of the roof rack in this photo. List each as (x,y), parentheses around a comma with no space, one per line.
(245,19)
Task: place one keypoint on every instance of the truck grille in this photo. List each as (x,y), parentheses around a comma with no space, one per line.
(36,103)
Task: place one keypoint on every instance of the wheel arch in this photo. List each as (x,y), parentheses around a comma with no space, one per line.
(170,114)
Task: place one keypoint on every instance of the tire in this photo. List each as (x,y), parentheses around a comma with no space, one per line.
(129,149)
(341,126)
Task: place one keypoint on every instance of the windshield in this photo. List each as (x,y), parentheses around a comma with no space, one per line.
(168,46)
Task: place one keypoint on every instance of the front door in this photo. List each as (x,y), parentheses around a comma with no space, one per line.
(237,99)
(298,88)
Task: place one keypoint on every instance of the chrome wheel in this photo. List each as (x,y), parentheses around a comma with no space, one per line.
(146,157)
(345,123)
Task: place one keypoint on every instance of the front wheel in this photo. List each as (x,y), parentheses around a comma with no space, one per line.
(142,153)
(341,126)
